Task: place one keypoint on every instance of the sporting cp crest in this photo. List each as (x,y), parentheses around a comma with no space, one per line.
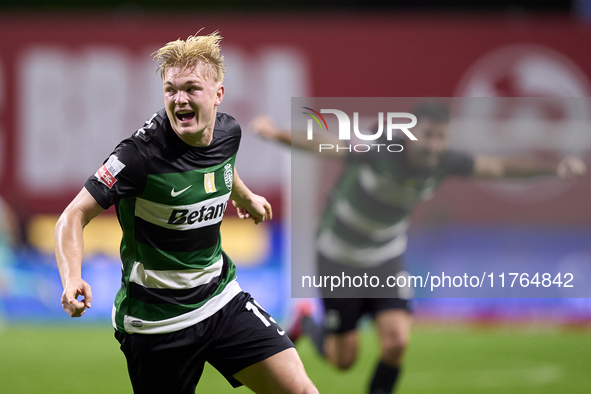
(228,175)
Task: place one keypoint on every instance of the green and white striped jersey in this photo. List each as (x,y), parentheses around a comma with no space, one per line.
(367,216)
(170,199)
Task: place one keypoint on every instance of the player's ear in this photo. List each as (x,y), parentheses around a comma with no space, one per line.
(219,95)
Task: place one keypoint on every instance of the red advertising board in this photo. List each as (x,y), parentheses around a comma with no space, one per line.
(73,85)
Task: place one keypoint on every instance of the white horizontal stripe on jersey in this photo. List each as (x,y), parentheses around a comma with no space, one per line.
(369,227)
(185,320)
(182,217)
(335,249)
(173,279)
(390,192)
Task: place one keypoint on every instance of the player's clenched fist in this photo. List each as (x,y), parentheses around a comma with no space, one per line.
(70,302)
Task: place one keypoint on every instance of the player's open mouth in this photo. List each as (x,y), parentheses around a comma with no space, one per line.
(185,116)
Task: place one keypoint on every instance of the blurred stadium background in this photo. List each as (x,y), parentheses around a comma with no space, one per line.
(75,81)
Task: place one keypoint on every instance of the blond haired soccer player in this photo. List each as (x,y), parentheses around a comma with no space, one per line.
(179,304)
(363,230)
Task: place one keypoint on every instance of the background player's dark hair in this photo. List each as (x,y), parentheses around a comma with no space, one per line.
(434,110)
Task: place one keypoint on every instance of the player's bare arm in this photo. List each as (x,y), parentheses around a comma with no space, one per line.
(69,248)
(248,204)
(492,167)
(264,126)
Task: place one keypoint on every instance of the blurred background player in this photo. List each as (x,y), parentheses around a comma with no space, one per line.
(364,225)
(179,304)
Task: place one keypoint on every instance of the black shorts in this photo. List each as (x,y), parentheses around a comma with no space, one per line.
(362,282)
(343,314)
(237,336)
(344,307)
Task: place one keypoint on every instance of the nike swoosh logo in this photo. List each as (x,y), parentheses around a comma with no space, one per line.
(174,194)
(280,332)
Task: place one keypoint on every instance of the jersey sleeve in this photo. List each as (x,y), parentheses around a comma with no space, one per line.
(230,134)
(458,163)
(122,175)
(235,137)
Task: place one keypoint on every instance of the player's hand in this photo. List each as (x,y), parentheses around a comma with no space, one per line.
(263,126)
(70,303)
(571,167)
(256,208)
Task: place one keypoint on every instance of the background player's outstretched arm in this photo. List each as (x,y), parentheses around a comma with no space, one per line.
(248,204)
(69,247)
(520,167)
(263,126)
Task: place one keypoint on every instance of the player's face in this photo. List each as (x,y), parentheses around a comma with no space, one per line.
(191,99)
(431,142)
